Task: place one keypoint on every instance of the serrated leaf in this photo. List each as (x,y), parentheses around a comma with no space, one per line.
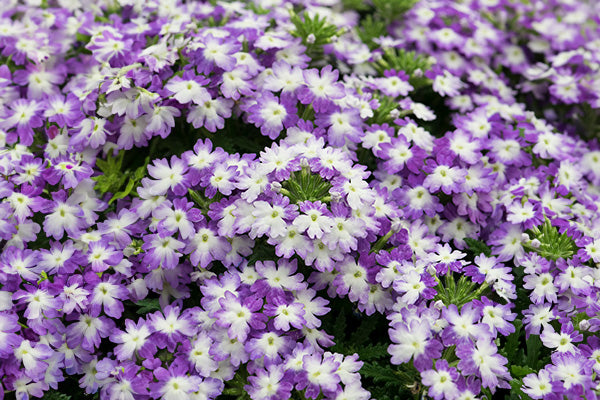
(516,392)
(520,371)
(147,306)
(362,334)
(339,332)
(53,395)
(141,171)
(478,247)
(369,353)
(386,374)
(512,348)
(123,193)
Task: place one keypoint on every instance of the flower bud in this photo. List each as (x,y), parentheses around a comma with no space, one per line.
(438,305)
(5,301)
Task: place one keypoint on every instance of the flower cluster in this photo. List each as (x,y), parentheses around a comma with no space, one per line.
(189,189)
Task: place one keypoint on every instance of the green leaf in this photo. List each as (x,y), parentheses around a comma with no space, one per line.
(371,28)
(53,395)
(534,347)
(369,353)
(516,392)
(477,247)
(392,9)
(147,306)
(512,348)
(339,330)
(552,244)
(387,374)
(356,5)
(80,37)
(402,60)
(314,31)
(520,371)
(362,334)
(123,193)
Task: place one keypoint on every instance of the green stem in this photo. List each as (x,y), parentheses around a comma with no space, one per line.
(382,241)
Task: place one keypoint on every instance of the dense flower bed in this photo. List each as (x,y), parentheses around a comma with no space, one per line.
(299,199)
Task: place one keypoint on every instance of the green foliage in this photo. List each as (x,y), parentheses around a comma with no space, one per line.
(304,185)
(512,348)
(407,61)
(392,9)
(459,293)
(234,388)
(356,5)
(523,360)
(381,114)
(391,382)
(53,395)
(367,336)
(201,201)
(477,247)
(114,179)
(552,244)
(371,28)
(262,251)
(314,31)
(147,306)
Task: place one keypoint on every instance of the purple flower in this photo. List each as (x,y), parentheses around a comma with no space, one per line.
(482,359)
(414,340)
(88,331)
(564,341)
(167,177)
(24,116)
(174,383)
(9,340)
(33,357)
(170,327)
(69,171)
(464,326)
(277,279)
(271,218)
(441,381)
(239,315)
(189,88)
(271,114)
(180,218)
(63,110)
(133,340)
(206,246)
(285,79)
(321,88)
(217,52)
(109,46)
(162,251)
(497,316)
(211,114)
(442,177)
(200,356)
(102,256)
(572,371)
(320,373)
(108,294)
(285,314)
(269,384)
(398,154)
(394,83)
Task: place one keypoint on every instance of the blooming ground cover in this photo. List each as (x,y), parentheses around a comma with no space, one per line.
(313,199)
